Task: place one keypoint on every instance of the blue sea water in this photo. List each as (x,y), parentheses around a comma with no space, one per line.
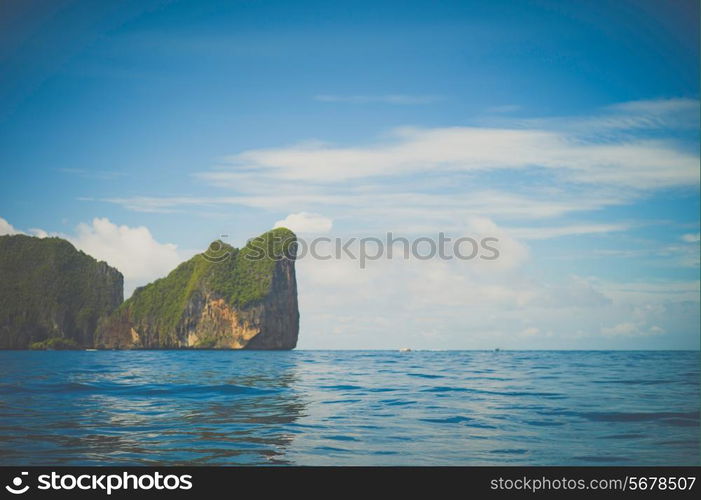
(349,408)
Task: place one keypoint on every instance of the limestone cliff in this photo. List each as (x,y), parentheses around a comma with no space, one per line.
(224,298)
(52,295)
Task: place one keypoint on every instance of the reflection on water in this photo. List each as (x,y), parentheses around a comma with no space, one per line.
(147,407)
(349,408)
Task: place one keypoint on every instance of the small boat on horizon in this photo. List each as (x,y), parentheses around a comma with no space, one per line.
(405,349)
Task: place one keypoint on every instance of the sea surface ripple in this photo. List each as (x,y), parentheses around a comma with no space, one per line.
(349,408)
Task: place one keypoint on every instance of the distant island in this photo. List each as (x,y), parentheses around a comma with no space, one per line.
(53,296)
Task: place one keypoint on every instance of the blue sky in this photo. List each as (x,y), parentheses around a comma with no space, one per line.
(143,130)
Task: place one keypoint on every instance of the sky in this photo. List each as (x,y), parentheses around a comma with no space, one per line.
(143,130)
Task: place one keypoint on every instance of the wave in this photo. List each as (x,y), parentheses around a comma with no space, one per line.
(150,390)
(692,416)
(548,395)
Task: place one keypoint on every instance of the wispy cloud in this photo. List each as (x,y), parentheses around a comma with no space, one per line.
(7,228)
(623,120)
(658,107)
(543,233)
(306,223)
(398,210)
(640,164)
(437,177)
(631,329)
(399,99)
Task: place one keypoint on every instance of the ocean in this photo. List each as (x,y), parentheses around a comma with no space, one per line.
(349,408)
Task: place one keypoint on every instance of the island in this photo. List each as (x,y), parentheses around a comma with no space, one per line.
(52,296)
(235,299)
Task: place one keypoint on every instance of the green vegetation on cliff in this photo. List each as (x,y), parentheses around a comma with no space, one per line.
(54,344)
(49,291)
(241,277)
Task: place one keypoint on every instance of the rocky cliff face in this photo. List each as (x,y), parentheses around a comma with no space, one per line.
(223,299)
(52,295)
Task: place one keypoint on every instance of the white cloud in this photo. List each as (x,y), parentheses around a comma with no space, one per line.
(658,107)
(630,329)
(371,203)
(419,177)
(415,179)
(468,304)
(304,223)
(633,116)
(7,228)
(392,303)
(542,233)
(512,253)
(640,164)
(692,238)
(132,250)
(39,233)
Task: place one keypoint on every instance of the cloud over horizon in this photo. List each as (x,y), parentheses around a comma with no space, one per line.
(133,251)
(304,222)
